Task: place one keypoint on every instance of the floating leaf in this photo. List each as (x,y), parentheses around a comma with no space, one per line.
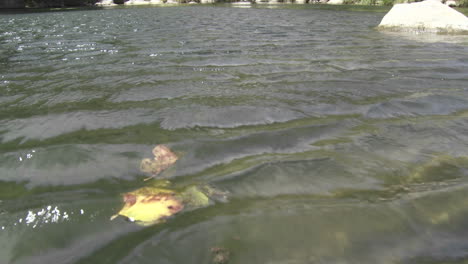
(164,155)
(195,197)
(163,159)
(149,205)
(215,194)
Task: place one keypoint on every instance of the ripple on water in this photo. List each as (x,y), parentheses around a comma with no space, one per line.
(254,148)
(226,116)
(72,164)
(27,234)
(425,105)
(307,177)
(47,126)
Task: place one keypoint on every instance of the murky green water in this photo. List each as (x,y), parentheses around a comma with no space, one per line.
(337,143)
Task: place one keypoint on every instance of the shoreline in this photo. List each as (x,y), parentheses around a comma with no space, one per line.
(356,5)
(389,3)
(350,7)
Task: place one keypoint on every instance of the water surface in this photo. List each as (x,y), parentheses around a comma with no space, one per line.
(337,143)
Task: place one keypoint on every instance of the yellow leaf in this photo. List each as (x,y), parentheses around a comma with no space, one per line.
(150,205)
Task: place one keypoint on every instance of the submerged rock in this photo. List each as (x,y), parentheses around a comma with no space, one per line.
(220,255)
(427,16)
(439,169)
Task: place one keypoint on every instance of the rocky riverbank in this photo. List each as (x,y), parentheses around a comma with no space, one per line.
(453,3)
(106,3)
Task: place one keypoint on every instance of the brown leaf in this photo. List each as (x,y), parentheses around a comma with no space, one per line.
(163,159)
(164,155)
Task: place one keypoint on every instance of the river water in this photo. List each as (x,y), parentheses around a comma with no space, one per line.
(335,142)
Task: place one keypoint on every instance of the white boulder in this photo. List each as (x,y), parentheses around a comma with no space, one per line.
(429,16)
(106,3)
(335,2)
(136,2)
(300,1)
(207,1)
(451,3)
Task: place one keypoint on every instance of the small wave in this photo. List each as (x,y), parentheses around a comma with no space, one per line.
(226,117)
(71,164)
(311,177)
(426,105)
(42,127)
